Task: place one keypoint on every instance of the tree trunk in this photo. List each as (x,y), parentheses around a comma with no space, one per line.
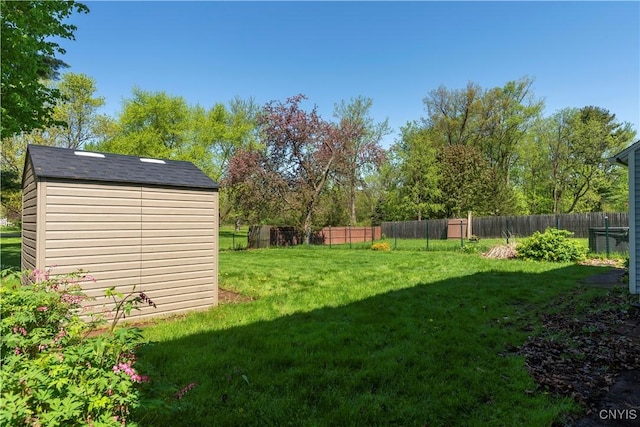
(352,202)
(317,190)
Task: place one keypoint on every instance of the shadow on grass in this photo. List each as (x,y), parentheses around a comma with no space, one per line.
(437,354)
(10,252)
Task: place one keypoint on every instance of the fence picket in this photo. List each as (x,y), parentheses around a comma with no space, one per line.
(518,226)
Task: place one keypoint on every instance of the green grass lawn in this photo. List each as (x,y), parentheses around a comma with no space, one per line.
(10,229)
(354,337)
(10,248)
(230,239)
(357,337)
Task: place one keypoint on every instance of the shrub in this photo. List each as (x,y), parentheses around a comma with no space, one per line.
(383,246)
(552,245)
(469,249)
(53,373)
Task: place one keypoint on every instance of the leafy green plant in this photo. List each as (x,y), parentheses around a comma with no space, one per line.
(55,370)
(552,245)
(124,304)
(470,249)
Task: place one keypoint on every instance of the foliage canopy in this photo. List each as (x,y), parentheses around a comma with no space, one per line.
(29,51)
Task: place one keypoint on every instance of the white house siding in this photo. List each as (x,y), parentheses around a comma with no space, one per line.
(634,209)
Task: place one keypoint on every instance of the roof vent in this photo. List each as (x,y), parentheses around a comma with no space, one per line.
(160,162)
(88,154)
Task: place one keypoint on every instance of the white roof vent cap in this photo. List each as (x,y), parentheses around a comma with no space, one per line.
(160,162)
(88,154)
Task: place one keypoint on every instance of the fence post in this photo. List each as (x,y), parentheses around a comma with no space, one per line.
(395,234)
(349,236)
(427,234)
(329,237)
(606,232)
(461,239)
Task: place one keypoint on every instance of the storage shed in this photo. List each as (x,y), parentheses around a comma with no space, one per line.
(631,157)
(127,221)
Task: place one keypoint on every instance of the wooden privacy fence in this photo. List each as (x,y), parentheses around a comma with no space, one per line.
(341,235)
(263,236)
(432,228)
(503,226)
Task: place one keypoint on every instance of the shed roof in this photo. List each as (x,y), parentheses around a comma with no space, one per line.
(65,163)
(623,156)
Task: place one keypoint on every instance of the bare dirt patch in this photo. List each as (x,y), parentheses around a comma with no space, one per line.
(229,297)
(602,262)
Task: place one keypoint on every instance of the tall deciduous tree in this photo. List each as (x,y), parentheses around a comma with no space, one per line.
(229,129)
(78,109)
(12,162)
(494,120)
(361,151)
(300,153)
(302,149)
(506,116)
(531,174)
(416,190)
(75,110)
(568,161)
(27,42)
(468,183)
(76,113)
(152,124)
(595,136)
(454,114)
(254,189)
(155,124)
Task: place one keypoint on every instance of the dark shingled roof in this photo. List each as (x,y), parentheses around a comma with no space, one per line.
(623,156)
(64,163)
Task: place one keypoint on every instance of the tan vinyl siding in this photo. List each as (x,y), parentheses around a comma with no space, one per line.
(95,228)
(29,219)
(162,241)
(179,268)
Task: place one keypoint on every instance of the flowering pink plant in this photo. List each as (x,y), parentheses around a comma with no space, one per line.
(57,369)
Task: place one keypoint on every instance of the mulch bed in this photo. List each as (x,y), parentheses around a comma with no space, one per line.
(591,354)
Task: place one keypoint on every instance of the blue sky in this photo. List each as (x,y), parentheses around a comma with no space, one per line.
(579,53)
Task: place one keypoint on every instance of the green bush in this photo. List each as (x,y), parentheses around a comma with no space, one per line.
(53,373)
(552,245)
(470,249)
